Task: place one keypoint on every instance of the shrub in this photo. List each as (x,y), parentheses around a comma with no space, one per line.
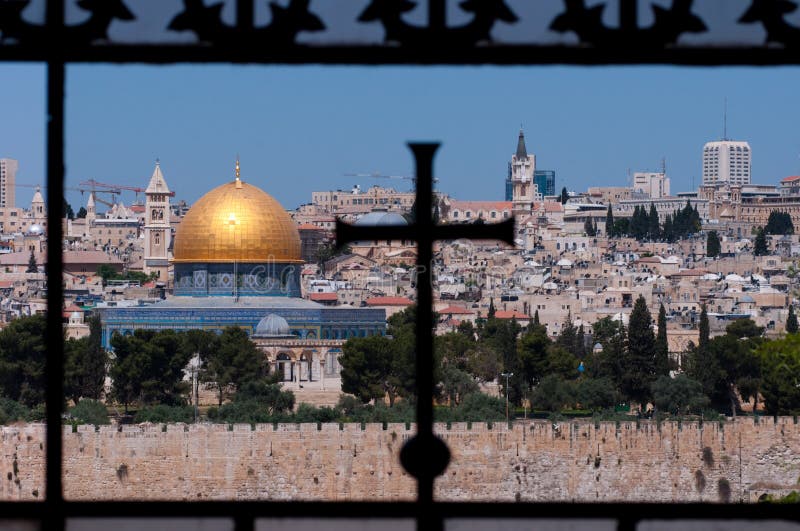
(89,411)
(12,411)
(164,414)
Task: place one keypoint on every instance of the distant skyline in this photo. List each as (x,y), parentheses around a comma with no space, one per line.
(299,129)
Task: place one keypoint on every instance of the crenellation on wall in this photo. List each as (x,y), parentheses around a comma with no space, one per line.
(535,460)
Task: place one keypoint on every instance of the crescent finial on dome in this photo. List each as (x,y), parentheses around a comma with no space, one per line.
(238,173)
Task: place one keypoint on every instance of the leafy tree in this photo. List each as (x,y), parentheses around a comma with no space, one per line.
(612,336)
(760,247)
(596,393)
(662,345)
(491,313)
(564,196)
(533,349)
(791,321)
(453,348)
(81,213)
(257,401)
(484,363)
(639,362)
(780,367)
(553,393)
(610,223)
(779,223)
(232,360)
(22,360)
(500,335)
(366,368)
(680,395)
(457,384)
(85,365)
(713,244)
(13,411)
(106,272)
(476,407)
(89,411)
(148,367)
(33,267)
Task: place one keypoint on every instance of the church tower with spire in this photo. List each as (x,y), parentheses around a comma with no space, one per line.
(157,232)
(521,170)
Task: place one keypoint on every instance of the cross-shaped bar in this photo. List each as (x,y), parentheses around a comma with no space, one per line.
(425,456)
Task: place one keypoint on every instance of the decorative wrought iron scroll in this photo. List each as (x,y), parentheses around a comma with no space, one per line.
(669,24)
(771,14)
(468,31)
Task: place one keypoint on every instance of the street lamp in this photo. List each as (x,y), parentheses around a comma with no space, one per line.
(194,368)
(507,376)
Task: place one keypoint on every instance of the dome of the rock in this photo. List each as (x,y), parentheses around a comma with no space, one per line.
(237,222)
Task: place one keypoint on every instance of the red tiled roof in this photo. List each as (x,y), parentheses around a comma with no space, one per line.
(389,301)
(481,205)
(501,314)
(791,179)
(308,226)
(6,283)
(138,209)
(72,308)
(454,310)
(323,297)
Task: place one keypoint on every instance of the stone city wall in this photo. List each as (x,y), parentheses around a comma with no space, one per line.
(532,461)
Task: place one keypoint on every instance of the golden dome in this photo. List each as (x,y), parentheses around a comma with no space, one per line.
(237,222)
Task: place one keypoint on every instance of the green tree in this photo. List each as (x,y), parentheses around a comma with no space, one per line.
(704,330)
(564,196)
(457,384)
(501,335)
(780,367)
(22,360)
(622,227)
(106,272)
(147,367)
(85,365)
(610,222)
(258,401)
(680,395)
(81,213)
(366,368)
(639,363)
(760,247)
(779,223)
(596,393)
(33,267)
(533,349)
(662,363)
(588,227)
(232,361)
(553,393)
(484,363)
(490,314)
(653,224)
(713,244)
(67,210)
(791,321)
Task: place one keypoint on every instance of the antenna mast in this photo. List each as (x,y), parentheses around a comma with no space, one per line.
(725,121)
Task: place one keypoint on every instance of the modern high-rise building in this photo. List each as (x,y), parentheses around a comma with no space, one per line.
(8,176)
(654,184)
(726,161)
(545,181)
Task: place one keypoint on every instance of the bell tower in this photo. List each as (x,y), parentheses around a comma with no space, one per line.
(156,226)
(523,166)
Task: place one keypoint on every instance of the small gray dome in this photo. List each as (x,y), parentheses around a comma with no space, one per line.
(381,218)
(273,326)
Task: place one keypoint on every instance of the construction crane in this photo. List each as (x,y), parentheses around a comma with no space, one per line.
(113,189)
(376,175)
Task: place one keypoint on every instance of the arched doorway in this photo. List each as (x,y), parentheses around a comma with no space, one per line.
(304,365)
(284,367)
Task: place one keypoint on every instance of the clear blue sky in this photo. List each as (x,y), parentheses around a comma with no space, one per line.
(299,129)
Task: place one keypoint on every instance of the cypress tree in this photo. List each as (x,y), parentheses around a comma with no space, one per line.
(791,321)
(33,267)
(564,196)
(639,365)
(760,247)
(704,330)
(713,245)
(610,222)
(536,318)
(491,313)
(662,345)
(653,226)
